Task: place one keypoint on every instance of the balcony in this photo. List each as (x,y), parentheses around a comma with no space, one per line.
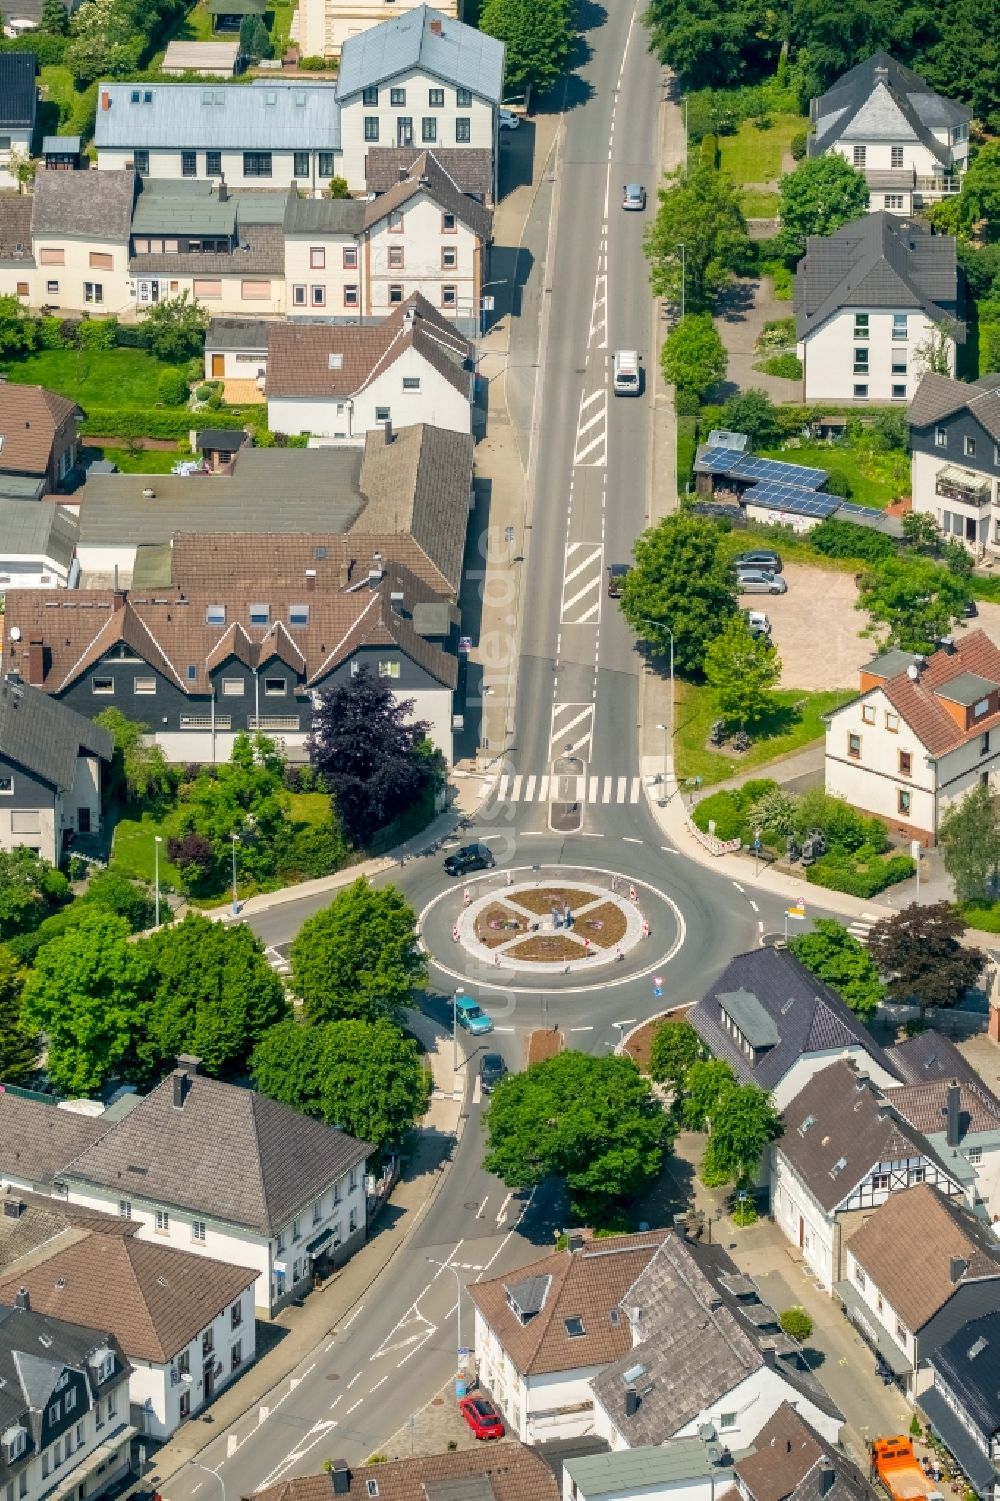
(938,185)
(963,485)
(270,722)
(206,722)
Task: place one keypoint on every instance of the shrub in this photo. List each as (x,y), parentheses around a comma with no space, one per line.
(76,868)
(97,333)
(52,333)
(192,854)
(686,404)
(786,366)
(916,1430)
(842,539)
(46,47)
(172,388)
(315,851)
(162,422)
(314,64)
(798,145)
(796,1323)
(339,187)
(204,391)
(708,151)
(744,1212)
(839,484)
(838,872)
(730,809)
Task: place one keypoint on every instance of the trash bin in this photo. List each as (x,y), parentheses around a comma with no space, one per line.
(461,1386)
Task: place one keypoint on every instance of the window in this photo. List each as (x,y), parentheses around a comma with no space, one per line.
(905,764)
(275,687)
(317,1211)
(435,98)
(317,258)
(198,1230)
(189,164)
(55,1413)
(396,223)
(428,129)
(463,98)
(899,328)
(899,364)
(208,1341)
(350,258)
(575,1327)
(337,1193)
(141,160)
(396,293)
(102,685)
(449,296)
(298,614)
(372,1488)
(388,669)
(185,1402)
(52,289)
(984,744)
(892,723)
(351,295)
(162,1220)
(854,747)
(463,130)
(260,614)
(895,156)
(192,672)
(899,393)
(860,393)
(940,438)
(397,98)
(279,1244)
(50,256)
(353,1222)
(296,1231)
(124,1209)
(860,152)
(207,291)
(861,360)
(255,291)
(353,1180)
(979,709)
(215,615)
(861,325)
(880,1181)
(299,296)
(894,200)
(727,1420)
(101,261)
(45,1465)
(411,382)
(902,1333)
(213,163)
(903,801)
(326,164)
(369,96)
(916,1175)
(383,414)
(449,258)
(868,713)
(974,1156)
(449,224)
(112,1398)
(395,257)
(6,785)
(93,291)
(371,127)
(300,164)
(144,685)
(859,1277)
(256,164)
(236,1315)
(319,296)
(236,1358)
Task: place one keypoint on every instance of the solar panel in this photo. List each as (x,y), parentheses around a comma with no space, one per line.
(752,466)
(721,460)
(777,497)
(870,512)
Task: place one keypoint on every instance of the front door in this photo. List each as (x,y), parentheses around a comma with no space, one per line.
(209,1379)
(404,131)
(83,820)
(218,366)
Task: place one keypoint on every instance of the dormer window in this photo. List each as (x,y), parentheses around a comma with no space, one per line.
(15,1443)
(103,1364)
(807,1124)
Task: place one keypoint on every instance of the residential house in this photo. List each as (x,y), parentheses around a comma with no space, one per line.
(777,1025)
(910,142)
(843,1152)
(18,103)
(80,226)
(961,1120)
(325,25)
(209,59)
(50,770)
(185,1323)
(17,263)
(486,1472)
(419,78)
(338,383)
(706,1353)
(38,1140)
(297,1200)
(929,1057)
(963,1405)
(869,299)
(64,1414)
(470,169)
(38,442)
(36,1225)
(699,1468)
(265,134)
(543,1332)
(921,733)
(955,459)
(915,1271)
(23,16)
(790,1461)
(236,349)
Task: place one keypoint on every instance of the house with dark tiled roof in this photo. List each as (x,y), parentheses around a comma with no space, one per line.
(954,443)
(790,1461)
(844,1151)
(38,1139)
(38,441)
(963,1405)
(488,1472)
(960,1117)
(776,1025)
(867,297)
(911,143)
(18,103)
(231,1176)
(922,732)
(915,1271)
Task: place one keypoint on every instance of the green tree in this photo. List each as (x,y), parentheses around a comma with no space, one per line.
(935,354)
(715,46)
(245,795)
(30,891)
(374,1083)
(592,1122)
(969,837)
(139,770)
(89,992)
(538,35)
(796,1323)
(694,357)
(831,41)
(113,892)
(822,193)
(743,1123)
(706,1084)
(754,413)
(174,329)
(358,958)
(18,329)
(106,41)
(914,599)
(21,167)
(921,957)
(681,582)
(743,669)
(18,1044)
(675,1046)
(287,1065)
(699,210)
(837,958)
(921,532)
(215,996)
(774,811)
(54,18)
(339,187)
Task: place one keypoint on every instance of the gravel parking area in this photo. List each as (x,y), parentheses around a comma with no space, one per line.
(816,629)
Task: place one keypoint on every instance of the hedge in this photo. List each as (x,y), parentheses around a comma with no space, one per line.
(728,809)
(865,879)
(46,47)
(128,422)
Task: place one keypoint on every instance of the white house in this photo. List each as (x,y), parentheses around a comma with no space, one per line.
(298,1200)
(339,382)
(921,734)
(18,103)
(963,1405)
(843,1152)
(869,299)
(80,228)
(185,1323)
(325,25)
(38,1140)
(37,544)
(960,1118)
(955,459)
(911,143)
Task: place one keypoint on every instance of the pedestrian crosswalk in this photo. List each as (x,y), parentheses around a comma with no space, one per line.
(277,958)
(862,926)
(580,789)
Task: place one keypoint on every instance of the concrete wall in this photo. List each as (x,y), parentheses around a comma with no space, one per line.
(238,364)
(315,290)
(20,140)
(828,357)
(31,572)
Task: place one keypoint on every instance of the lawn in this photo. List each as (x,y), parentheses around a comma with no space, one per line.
(758,205)
(875,478)
(280,21)
(146,461)
(93,377)
(793,548)
(796,722)
(132,852)
(754,155)
(310,808)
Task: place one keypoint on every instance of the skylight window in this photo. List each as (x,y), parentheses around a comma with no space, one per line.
(574,1327)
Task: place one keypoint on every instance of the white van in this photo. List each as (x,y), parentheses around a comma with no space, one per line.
(625,372)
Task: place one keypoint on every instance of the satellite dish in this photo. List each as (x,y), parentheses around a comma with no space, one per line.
(15,633)
(913,672)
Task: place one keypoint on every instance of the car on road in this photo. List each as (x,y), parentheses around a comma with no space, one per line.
(633,197)
(756,581)
(491,1070)
(759,557)
(470,857)
(482,1417)
(626,372)
(470,1015)
(617,573)
(508,120)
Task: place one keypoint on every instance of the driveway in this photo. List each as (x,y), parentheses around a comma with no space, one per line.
(743,310)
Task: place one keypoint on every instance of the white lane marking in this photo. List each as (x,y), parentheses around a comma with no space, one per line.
(502,1214)
(606,798)
(477,1091)
(634,794)
(515,791)
(293,1382)
(508,1029)
(479,1211)
(353,1379)
(620,796)
(232,1440)
(503,787)
(754,905)
(739,888)
(595,784)
(581,1029)
(529,789)
(630,838)
(668,849)
(543,789)
(377,1385)
(358,1403)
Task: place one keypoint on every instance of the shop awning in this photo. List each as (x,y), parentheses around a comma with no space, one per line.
(871,1330)
(974,1463)
(319,1241)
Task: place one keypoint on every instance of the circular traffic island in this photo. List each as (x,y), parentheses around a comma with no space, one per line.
(550,927)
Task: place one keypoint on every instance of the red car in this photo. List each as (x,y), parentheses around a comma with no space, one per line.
(482,1417)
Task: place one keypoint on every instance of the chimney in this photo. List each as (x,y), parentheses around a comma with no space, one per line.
(387,430)
(36,659)
(404,173)
(770,1356)
(631,1401)
(574,1240)
(340,1477)
(21,1300)
(105,100)
(182,1082)
(827,1476)
(947,645)
(957,1268)
(13,1208)
(189,1063)
(345,575)
(118,601)
(310,579)
(436,27)
(952,1113)
(223,191)
(680,1226)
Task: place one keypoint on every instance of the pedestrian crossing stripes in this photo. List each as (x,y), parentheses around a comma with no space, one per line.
(599,315)
(591,450)
(572,731)
(277,958)
(583,584)
(585,789)
(862,926)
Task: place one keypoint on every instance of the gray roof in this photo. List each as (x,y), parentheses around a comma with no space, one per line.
(270,490)
(938,396)
(18,90)
(807,1017)
(470,167)
(58,145)
(20,487)
(528,1295)
(743,1007)
(420,483)
(879,261)
(42,531)
(45,736)
(423,38)
(236,333)
(266,115)
(627,1471)
(196,211)
(889,664)
(982,1473)
(228,1153)
(930,1058)
(319,215)
(966,689)
(968,1365)
(37,1140)
(260,251)
(90,205)
(878,100)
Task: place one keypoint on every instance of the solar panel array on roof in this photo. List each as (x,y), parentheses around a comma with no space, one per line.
(777,497)
(748,466)
(870,512)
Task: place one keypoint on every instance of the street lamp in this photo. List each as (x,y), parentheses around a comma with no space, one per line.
(236,905)
(666,752)
(214,1474)
(157,841)
(446,1266)
(454,1031)
(682,249)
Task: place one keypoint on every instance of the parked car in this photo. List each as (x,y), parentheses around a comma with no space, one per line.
(758,623)
(508,120)
(756,581)
(759,557)
(491,1070)
(471,1016)
(482,1417)
(470,857)
(970,609)
(633,197)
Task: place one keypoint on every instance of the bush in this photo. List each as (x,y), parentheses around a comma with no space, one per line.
(47,48)
(315,851)
(708,151)
(842,539)
(839,872)
(204,391)
(172,388)
(796,1323)
(161,422)
(787,366)
(744,1212)
(53,333)
(839,484)
(729,809)
(97,333)
(799,145)
(314,64)
(686,404)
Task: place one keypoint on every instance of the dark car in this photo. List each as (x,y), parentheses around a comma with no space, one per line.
(759,557)
(470,857)
(491,1070)
(482,1417)
(970,609)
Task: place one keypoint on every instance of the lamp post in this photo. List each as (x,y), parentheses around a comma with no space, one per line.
(446,1266)
(214,1474)
(666,752)
(683,251)
(157,841)
(236,905)
(454,1031)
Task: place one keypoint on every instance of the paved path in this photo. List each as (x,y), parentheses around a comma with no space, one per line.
(743,311)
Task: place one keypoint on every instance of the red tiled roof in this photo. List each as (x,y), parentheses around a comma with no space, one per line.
(916,701)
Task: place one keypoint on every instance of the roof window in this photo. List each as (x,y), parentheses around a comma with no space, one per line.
(807,1124)
(574,1327)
